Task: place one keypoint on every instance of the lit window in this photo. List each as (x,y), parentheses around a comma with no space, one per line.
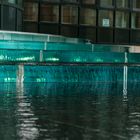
(69,14)
(49,13)
(88,16)
(106,3)
(31,11)
(122,20)
(105,18)
(122,3)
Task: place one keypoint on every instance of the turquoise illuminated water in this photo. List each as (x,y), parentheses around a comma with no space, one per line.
(74,111)
(58,88)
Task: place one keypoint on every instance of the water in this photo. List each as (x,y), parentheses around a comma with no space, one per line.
(74,111)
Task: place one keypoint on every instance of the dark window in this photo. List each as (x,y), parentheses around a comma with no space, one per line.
(51,1)
(136,4)
(135,20)
(19,20)
(70,31)
(20,3)
(88,2)
(30,27)
(121,36)
(87,32)
(105,35)
(135,36)
(70,1)
(49,28)
(9,18)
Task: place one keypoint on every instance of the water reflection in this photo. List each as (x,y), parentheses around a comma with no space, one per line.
(26,120)
(37,111)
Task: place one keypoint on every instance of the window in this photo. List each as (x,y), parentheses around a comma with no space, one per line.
(105,18)
(69,14)
(88,16)
(19,20)
(135,20)
(49,13)
(9,18)
(122,3)
(70,1)
(31,11)
(88,1)
(51,0)
(11,1)
(106,3)
(122,19)
(136,4)
(20,3)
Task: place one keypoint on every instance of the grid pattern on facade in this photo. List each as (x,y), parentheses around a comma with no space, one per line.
(101,21)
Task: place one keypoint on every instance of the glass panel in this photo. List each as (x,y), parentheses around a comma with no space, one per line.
(134,57)
(21,45)
(122,20)
(88,1)
(105,18)
(81,56)
(8,73)
(88,16)
(106,3)
(51,0)
(135,20)
(136,4)
(73,74)
(49,13)
(30,11)
(20,3)
(19,20)
(69,14)
(11,1)
(122,3)
(69,46)
(70,1)
(9,18)
(19,55)
(30,27)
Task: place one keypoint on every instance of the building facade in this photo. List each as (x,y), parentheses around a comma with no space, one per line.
(11,15)
(101,21)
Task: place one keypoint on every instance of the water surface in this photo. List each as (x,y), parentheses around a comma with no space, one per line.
(74,111)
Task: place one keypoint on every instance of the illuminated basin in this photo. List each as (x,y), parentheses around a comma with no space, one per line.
(26,57)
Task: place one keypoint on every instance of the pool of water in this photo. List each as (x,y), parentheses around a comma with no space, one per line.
(74,111)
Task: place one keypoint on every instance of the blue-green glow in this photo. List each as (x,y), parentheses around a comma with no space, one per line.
(42,58)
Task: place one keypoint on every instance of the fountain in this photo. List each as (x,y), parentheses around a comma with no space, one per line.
(28,57)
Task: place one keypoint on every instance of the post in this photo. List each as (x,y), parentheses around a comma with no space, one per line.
(20,73)
(125,76)
(41,56)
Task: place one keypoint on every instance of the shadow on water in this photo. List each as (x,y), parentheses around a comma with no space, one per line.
(75,111)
